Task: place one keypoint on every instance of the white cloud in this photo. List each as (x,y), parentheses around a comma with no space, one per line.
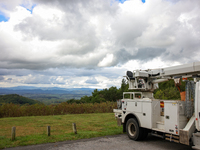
(74,43)
(106,60)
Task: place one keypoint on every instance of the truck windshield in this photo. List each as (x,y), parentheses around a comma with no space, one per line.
(128,96)
(132,95)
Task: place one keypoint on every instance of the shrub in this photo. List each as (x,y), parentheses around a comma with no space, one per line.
(14,110)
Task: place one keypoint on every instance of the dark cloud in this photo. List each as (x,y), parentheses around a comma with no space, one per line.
(64,72)
(143,54)
(37,79)
(78,6)
(1,78)
(17,72)
(148,54)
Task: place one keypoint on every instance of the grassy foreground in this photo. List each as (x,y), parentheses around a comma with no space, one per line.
(33,130)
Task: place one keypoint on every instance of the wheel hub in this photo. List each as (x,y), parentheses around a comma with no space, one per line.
(131,129)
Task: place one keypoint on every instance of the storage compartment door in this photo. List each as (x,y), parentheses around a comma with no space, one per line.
(171,117)
(146,119)
(134,106)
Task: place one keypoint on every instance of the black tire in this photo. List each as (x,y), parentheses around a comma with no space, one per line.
(133,130)
(145,133)
(124,127)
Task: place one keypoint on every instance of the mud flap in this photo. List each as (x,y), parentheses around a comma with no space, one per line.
(119,121)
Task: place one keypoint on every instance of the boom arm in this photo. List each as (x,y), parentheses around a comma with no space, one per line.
(146,80)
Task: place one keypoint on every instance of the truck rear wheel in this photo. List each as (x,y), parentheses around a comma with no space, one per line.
(133,130)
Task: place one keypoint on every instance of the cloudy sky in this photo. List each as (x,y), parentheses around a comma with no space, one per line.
(91,44)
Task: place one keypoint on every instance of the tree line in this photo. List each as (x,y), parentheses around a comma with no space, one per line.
(111,94)
(167,90)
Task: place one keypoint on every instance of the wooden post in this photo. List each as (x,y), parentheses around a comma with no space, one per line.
(13,133)
(74,128)
(48,130)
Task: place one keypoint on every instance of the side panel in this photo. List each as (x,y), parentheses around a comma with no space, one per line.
(197,106)
(155,112)
(134,106)
(182,118)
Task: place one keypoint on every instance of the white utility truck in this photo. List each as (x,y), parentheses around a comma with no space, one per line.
(173,120)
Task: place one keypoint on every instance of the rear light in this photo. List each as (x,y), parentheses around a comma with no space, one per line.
(162,104)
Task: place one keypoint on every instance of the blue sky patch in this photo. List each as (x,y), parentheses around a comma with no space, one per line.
(3,18)
(122,1)
(31,10)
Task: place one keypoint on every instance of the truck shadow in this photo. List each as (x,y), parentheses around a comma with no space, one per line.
(162,143)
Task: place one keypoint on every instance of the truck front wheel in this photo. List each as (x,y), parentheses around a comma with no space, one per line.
(133,130)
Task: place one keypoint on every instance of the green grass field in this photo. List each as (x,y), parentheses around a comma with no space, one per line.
(33,130)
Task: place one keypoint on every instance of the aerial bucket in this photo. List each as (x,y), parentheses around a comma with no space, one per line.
(182,95)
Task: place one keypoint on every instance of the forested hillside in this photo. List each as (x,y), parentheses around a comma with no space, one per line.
(16,99)
(47,95)
(167,90)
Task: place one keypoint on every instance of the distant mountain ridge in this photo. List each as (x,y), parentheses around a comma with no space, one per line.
(44,90)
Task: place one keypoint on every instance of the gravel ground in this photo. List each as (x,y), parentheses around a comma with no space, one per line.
(108,143)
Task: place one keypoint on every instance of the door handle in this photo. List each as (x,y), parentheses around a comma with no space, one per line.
(167,117)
